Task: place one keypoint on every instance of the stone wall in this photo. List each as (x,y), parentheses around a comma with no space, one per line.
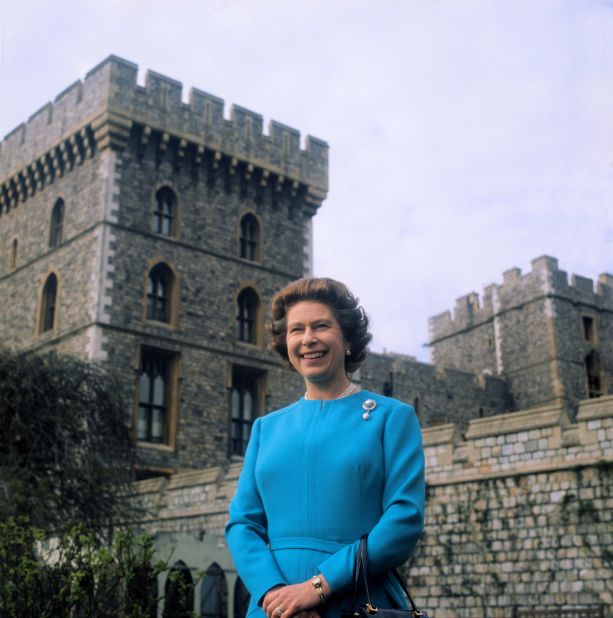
(519,513)
(438,395)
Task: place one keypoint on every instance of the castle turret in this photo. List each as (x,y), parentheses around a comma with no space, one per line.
(551,340)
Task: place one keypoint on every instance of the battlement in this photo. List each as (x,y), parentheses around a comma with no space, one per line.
(525,442)
(545,279)
(100,111)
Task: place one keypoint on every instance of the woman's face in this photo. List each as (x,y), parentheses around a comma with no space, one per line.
(315,343)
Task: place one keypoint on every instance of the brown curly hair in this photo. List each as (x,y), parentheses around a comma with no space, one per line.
(350,315)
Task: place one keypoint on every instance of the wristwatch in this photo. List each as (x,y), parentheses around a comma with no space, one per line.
(316,582)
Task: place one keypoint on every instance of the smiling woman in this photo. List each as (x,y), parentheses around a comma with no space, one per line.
(319,474)
(316,349)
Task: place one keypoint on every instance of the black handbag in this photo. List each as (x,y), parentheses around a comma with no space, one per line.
(360,579)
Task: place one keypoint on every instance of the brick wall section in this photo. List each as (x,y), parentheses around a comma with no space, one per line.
(519,513)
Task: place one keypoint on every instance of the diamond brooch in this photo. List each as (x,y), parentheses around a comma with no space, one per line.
(368,406)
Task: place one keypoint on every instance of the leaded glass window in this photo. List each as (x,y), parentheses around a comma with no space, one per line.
(249,239)
(164,212)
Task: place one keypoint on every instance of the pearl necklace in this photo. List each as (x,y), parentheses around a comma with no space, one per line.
(352,388)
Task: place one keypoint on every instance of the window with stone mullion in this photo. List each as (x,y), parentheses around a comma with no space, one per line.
(246,311)
(163,215)
(249,238)
(153,405)
(244,402)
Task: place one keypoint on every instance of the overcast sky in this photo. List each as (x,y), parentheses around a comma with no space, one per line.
(466,136)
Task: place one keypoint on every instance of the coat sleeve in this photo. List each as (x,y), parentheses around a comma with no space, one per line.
(246,530)
(392,539)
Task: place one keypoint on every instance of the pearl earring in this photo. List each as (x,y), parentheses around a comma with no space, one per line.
(348,352)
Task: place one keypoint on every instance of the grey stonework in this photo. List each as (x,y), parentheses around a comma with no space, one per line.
(106,145)
(528,331)
(438,395)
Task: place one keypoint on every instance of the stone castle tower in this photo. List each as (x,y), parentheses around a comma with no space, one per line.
(551,341)
(149,233)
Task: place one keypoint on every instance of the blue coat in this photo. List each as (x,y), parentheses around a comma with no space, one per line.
(317,476)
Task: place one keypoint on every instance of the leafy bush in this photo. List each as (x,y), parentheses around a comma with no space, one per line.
(66,452)
(71,575)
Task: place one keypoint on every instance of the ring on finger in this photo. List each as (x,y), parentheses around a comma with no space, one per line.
(279,610)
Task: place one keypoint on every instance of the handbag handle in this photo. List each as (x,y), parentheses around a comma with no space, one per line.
(361,567)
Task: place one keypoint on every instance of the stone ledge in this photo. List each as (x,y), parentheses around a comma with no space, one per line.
(207,476)
(441,434)
(601,407)
(513,422)
(548,468)
(148,486)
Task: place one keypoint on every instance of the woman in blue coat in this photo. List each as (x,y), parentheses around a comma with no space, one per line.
(320,473)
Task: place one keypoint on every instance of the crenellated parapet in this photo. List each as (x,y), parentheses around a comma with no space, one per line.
(108,109)
(524,442)
(545,280)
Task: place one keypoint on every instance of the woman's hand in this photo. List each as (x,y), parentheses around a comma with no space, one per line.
(296,600)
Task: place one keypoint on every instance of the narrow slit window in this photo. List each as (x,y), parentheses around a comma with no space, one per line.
(588,329)
(49,301)
(592,370)
(57,224)
(13,255)
(246,316)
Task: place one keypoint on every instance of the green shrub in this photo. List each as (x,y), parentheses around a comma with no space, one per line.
(73,575)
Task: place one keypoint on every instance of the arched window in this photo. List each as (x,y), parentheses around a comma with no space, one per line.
(57,224)
(179,597)
(159,293)
(164,212)
(246,316)
(214,593)
(250,238)
(48,304)
(241,599)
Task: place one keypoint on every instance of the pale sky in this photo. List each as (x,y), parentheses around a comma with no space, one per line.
(466,136)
